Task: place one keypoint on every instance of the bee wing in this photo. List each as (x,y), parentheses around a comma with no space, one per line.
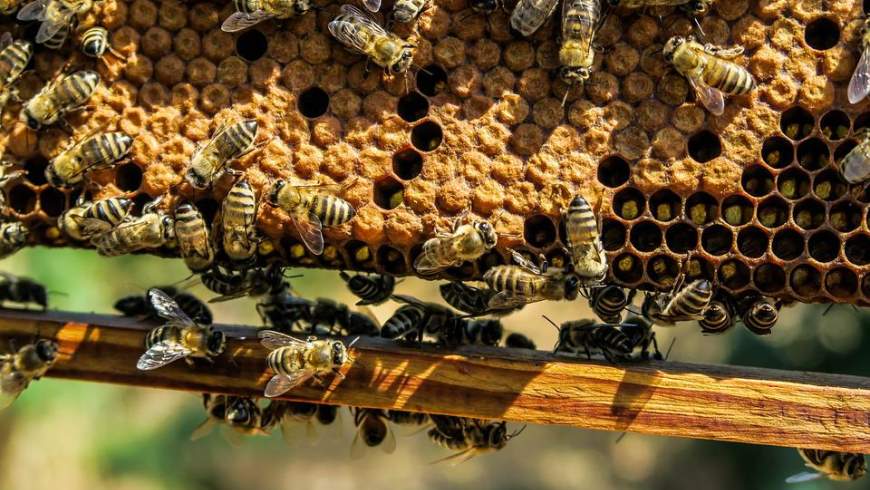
(5,40)
(33,11)
(712,98)
(388,445)
(589,28)
(90,226)
(525,263)
(507,300)
(202,429)
(351,34)
(372,5)
(280,384)
(859,85)
(228,297)
(50,27)
(310,231)
(160,355)
(535,13)
(6,399)
(427,262)
(273,340)
(168,309)
(240,21)
(803,476)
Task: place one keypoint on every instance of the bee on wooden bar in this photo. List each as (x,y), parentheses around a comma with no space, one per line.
(241,414)
(470,437)
(519,341)
(232,284)
(401,417)
(238,222)
(608,302)
(251,12)
(590,337)
(525,283)
(709,70)
(228,143)
(467,242)
(56,17)
(465,331)
(153,229)
(435,317)
(584,243)
(859,85)
(405,323)
(59,97)
(194,242)
(19,368)
(373,289)
(356,30)
(13,237)
(692,7)
(833,465)
(855,166)
(96,152)
(681,304)
(529,15)
(328,314)
(580,20)
(14,57)
(761,315)
(372,431)
(89,219)
(718,317)
(139,305)
(295,361)
(310,211)
(283,310)
(22,290)
(179,338)
(641,336)
(408,10)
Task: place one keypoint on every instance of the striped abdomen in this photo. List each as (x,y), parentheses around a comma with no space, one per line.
(106,148)
(452,443)
(75,89)
(608,302)
(690,302)
(761,316)
(718,318)
(247,6)
(331,210)
(164,334)
(580,20)
(237,219)
(57,40)
(371,288)
(236,139)
(112,210)
(581,227)
(95,41)
(726,76)
(514,279)
(194,242)
(13,60)
(286,360)
(466,298)
(406,319)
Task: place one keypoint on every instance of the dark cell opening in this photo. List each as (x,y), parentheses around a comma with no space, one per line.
(824,246)
(835,125)
(427,136)
(22,199)
(772,212)
(681,238)
(627,268)
(413,107)
(431,80)
(841,282)
(861,122)
(208,207)
(845,216)
(612,235)
(734,274)
(777,152)
(391,260)
(788,244)
(796,123)
(704,146)
(646,236)
(34,169)
(813,154)
(407,163)
(736,210)
(794,183)
(251,45)
(557,258)
(717,239)
(613,171)
(858,250)
(663,270)
(757,181)
(698,268)
(752,242)
(845,147)
(139,201)
(865,283)
(628,203)
(359,253)
(769,278)
(463,272)
(701,208)
(539,231)
(822,33)
(809,214)
(665,205)
(313,102)
(805,281)
(829,185)
(489,260)
(389,193)
(52,202)
(128,177)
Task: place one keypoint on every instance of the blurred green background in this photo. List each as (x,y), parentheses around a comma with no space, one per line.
(73,435)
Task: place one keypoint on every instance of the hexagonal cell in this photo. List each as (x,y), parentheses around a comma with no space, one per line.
(794,183)
(391,260)
(698,268)
(752,242)
(128,177)
(843,149)
(627,268)
(665,205)
(769,278)
(427,136)
(681,238)
(208,207)
(809,214)
(813,154)
(613,171)
(407,163)
(463,272)
(845,216)
(829,185)
(646,236)
(539,231)
(704,146)
(313,102)
(787,244)
(861,122)
(717,240)
(835,125)
(841,282)
(412,107)
(822,33)
(628,203)
(736,210)
(805,281)
(360,254)
(796,123)
(557,258)
(701,208)
(21,199)
(858,250)
(777,152)
(251,45)
(734,274)
(388,193)
(663,270)
(613,234)
(772,212)
(34,170)
(488,261)
(757,181)
(139,201)
(52,202)
(824,246)
(431,80)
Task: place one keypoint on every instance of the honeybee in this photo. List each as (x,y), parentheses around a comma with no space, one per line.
(406,322)
(328,314)
(139,305)
(373,289)
(401,417)
(467,242)
(356,30)
(584,244)
(210,161)
(529,15)
(859,85)
(465,331)
(408,10)
(238,222)
(310,211)
(681,304)
(153,229)
(13,236)
(23,290)
(517,285)
(89,219)
(373,430)
(179,338)
(194,242)
(580,20)
(692,7)
(761,316)
(28,363)
(232,284)
(251,12)
(95,43)
(242,414)
(718,317)
(96,152)
(465,298)
(641,336)
(59,97)
(283,310)
(469,437)
(519,341)
(14,57)
(7,175)
(708,70)
(834,465)
(855,166)
(295,361)
(590,337)
(55,15)
(435,317)
(57,40)
(608,302)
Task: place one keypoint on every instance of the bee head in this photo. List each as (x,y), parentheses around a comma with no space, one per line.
(671,46)
(53,178)
(240,411)
(572,287)
(276,189)
(573,74)
(195,180)
(855,465)
(46,350)
(405,59)
(31,121)
(339,354)
(216,343)
(496,435)
(490,237)
(484,6)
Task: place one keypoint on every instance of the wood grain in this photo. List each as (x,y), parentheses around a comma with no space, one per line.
(726,403)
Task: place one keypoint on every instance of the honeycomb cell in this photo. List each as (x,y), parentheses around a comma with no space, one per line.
(665,205)
(663,270)
(388,193)
(717,240)
(809,214)
(392,260)
(858,249)
(805,281)
(427,136)
(698,268)
(431,80)
(628,203)
(769,278)
(488,261)
(313,102)
(734,274)
(813,154)
(845,216)
(139,201)
(822,34)
(701,208)
(627,268)
(772,212)
(736,210)
(52,202)
(843,149)
(128,177)
(841,282)
(829,185)
(251,45)
(407,163)
(796,123)
(794,183)
(752,242)
(22,199)
(861,122)
(613,171)
(360,254)
(646,236)
(757,181)
(787,244)
(208,207)
(34,170)
(681,238)
(704,146)
(824,246)
(613,234)
(835,125)
(539,231)
(777,152)
(412,107)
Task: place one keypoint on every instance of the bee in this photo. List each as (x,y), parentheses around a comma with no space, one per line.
(681,304)
(13,236)
(356,30)
(435,317)
(56,16)
(8,7)
(517,285)
(327,414)
(310,211)
(834,465)
(406,322)
(465,298)
(283,310)
(96,152)
(584,244)
(57,40)
(242,414)
(401,417)
(22,290)
(194,242)
(238,222)
(467,242)
(580,20)
(210,161)
(373,430)
(14,57)
(153,229)
(95,43)
(28,363)
(465,331)
(692,7)
(590,337)
(641,336)
(859,85)
(408,10)
(179,338)
(485,6)
(89,219)
(373,289)
(59,97)
(295,361)
(855,166)
(7,175)
(519,341)
(470,437)
(251,12)
(231,284)
(608,302)
(139,305)
(327,314)
(709,71)
(761,316)
(718,317)
(529,15)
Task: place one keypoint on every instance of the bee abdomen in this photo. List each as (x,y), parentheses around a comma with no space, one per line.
(241,137)
(161,334)
(106,148)
(94,41)
(14,59)
(112,210)
(691,301)
(285,361)
(331,210)
(729,78)
(247,6)
(57,40)
(405,319)
(75,89)
(446,442)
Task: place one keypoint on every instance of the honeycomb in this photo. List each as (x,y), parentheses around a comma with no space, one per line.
(751,197)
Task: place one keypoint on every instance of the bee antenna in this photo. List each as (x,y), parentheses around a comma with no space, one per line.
(700,30)
(830,305)
(668,353)
(354,341)
(551,322)
(420,68)
(565,97)
(518,432)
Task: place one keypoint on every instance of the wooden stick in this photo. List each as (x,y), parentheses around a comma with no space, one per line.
(740,404)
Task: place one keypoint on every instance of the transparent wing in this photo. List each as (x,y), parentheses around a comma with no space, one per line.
(228,297)
(353,33)
(410,300)
(280,384)
(859,85)
(803,476)
(202,429)
(524,262)
(427,262)
(273,340)
(506,300)
(357,448)
(389,443)
(50,27)
(240,21)
(33,11)
(91,226)
(372,5)
(310,231)
(160,355)
(5,40)
(6,399)
(167,308)
(712,98)
(588,27)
